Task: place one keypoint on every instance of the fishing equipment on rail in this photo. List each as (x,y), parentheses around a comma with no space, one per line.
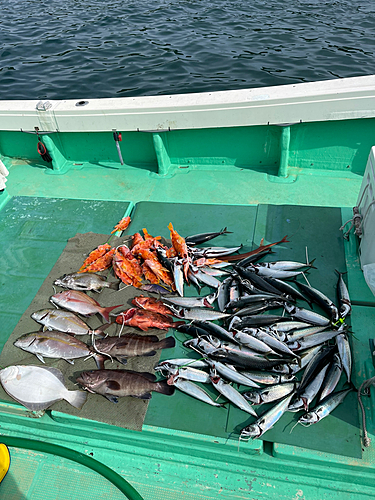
(42,150)
(118,138)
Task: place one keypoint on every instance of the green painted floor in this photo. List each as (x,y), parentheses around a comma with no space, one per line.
(198,184)
(39,476)
(34,232)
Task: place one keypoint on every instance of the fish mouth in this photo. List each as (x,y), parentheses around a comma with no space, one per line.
(84,381)
(38,315)
(251,432)
(126,315)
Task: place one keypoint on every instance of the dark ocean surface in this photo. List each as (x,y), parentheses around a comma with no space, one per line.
(73,49)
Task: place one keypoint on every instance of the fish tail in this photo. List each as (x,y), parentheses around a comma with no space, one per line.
(225,231)
(99,331)
(284,240)
(99,360)
(310,264)
(76,398)
(104,311)
(114,286)
(167,343)
(175,324)
(340,274)
(164,388)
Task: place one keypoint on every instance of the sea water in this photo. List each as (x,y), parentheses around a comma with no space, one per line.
(71,49)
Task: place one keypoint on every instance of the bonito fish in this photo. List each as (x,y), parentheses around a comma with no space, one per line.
(38,387)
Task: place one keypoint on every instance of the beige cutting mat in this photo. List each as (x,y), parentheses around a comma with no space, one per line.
(128,412)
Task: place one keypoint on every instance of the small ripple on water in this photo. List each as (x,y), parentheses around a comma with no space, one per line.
(81,48)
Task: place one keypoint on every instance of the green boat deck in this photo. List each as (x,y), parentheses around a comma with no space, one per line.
(187,449)
(258,177)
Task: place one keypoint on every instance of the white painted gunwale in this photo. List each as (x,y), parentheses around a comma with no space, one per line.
(339,99)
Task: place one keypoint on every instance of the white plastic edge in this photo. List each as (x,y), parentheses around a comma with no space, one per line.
(339,99)
(366,205)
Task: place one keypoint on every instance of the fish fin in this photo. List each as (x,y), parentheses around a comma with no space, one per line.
(175,324)
(305,404)
(104,311)
(122,359)
(151,338)
(151,353)
(36,406)
(56,372)
(340,274)
(40,357)
(310,264)
(164,388)
(76,398)
(44,328)
(113,385)
(147,375)
(99,331)
(114,285)
(146,395)
(112,399)
(142,327)
(167,343)
(99,360)
(70,361)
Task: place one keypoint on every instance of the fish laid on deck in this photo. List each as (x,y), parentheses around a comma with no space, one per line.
(38,387)
(249,346)
(65,321)
(144,319)
(81,303)
(113,384)
(53,344)
(131,345)
(85,282)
